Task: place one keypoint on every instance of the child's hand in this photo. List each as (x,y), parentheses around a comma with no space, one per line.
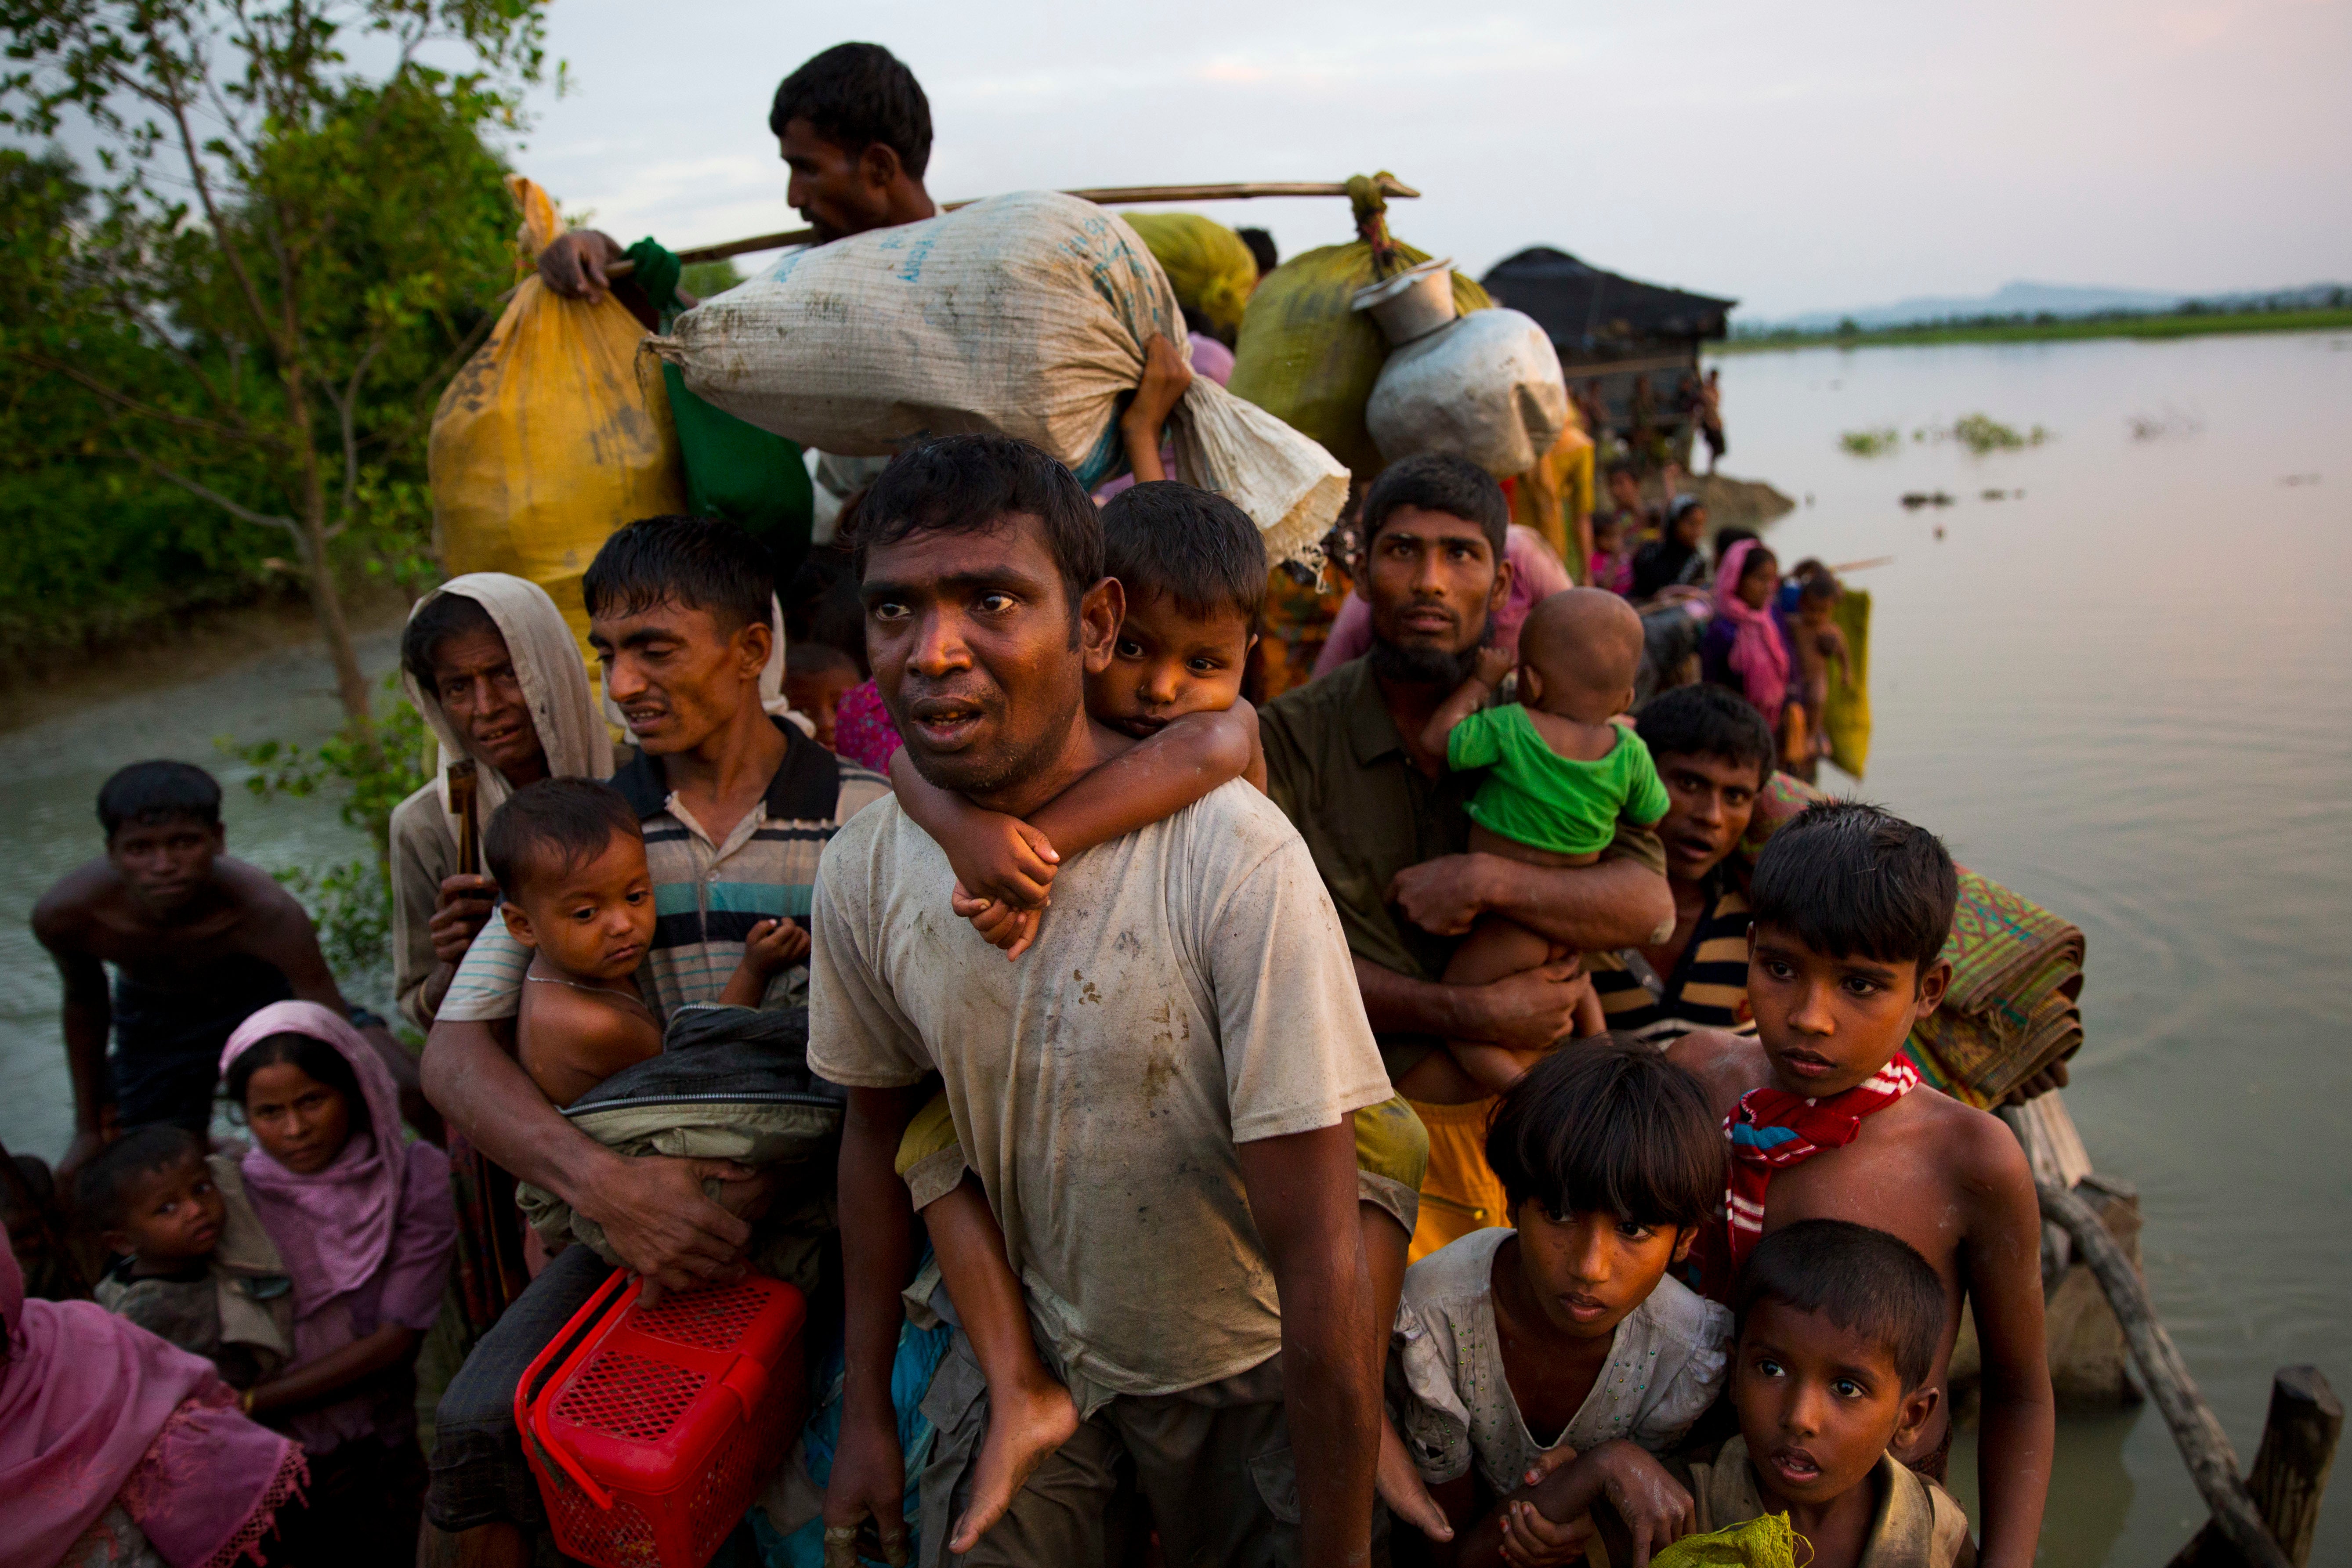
(1494,664)
(1004,859)
(1532,1541)
(999,924)
(774,945)
(1657,1511)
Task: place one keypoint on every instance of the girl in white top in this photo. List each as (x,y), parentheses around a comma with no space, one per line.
(1566,1332)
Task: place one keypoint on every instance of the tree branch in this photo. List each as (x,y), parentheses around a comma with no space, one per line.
(206,493)
(130,404)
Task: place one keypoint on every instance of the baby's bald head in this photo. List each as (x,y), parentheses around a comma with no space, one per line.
(1585,647)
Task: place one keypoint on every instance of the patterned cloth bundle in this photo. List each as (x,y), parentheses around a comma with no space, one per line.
(2012,1010)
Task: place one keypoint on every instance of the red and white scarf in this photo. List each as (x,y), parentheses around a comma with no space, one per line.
(1773,1129)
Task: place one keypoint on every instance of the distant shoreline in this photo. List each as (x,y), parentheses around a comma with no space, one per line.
(2168,325)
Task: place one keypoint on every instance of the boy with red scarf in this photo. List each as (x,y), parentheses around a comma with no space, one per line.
(1827,1121)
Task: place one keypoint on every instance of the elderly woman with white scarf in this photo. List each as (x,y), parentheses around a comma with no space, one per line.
(490,663)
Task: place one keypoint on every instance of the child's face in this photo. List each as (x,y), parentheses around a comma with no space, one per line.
(818,695)
(594,921)
(173,1213)
(1588,1270)
(1827,1023)
(1818,1404)
(1758,578)
(1814,614)
(1165,663)
(299,1122)
(1606,537)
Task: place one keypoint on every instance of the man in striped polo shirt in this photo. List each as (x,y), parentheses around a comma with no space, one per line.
(1715,752)
(737,807)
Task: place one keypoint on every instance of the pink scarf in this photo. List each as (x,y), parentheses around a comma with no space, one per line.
(1759,656)
(93,1410)
(333,1228)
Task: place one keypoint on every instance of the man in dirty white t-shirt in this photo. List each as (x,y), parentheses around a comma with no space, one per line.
(1156,1097)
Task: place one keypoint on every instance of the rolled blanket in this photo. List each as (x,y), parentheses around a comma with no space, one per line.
(2012,1012)
(731,1083)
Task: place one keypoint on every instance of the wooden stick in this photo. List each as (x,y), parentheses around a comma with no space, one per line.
(2213,1463)
(1105,195)
(462,796)
(2290,1473)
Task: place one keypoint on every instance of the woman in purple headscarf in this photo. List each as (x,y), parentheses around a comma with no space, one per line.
(118,1450)
(365,1226)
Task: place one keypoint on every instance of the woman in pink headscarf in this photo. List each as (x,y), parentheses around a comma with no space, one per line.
(1744,648)
(365,1224)
(117,1449)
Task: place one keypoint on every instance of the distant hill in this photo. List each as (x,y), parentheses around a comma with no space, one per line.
(2029,299)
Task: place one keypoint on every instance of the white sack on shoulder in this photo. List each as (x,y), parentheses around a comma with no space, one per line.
(1488,388)
(1023,315)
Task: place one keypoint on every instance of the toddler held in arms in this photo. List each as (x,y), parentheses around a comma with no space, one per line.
(1838,1329)
(1192,568)
(569,857)
(1559,775)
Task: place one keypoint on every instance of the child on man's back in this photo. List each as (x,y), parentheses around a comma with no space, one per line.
(1827,1120)
(1566,1329)
(569,857)
(1839,1326)
(162,1211)
(1192,568)
(1559,774)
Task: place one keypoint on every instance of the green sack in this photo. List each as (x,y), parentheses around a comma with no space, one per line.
(1306,357)
(1210,269)
(1765,1542)
(1848,721)
(743,474)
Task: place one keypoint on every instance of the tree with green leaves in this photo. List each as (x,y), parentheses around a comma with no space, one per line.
(278,259)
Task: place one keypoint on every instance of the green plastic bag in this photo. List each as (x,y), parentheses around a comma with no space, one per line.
(1310,360)
(1210,269)
(741,473)
(1765,1542)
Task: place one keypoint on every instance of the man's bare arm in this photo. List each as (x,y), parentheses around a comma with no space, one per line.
(878,1254)
(653,1209)
(1526,1011)
(2003,1256)
(89,1019)
(1302,1193)
(1619,903)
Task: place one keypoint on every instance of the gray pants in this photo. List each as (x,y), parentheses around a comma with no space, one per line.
(1211,1467)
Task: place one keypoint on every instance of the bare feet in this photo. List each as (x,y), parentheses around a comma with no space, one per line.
(1022,1430)
(1400,1486)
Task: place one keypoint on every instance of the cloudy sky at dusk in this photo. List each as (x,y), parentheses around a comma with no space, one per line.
(1796,155)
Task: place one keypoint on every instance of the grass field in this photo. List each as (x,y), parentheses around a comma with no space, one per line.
(2164,326)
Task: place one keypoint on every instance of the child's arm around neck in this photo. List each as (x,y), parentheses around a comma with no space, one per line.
(1468,697)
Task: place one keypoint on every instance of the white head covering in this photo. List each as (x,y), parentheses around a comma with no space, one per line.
(554,688)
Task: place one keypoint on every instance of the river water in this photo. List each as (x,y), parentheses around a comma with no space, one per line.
(2123,689)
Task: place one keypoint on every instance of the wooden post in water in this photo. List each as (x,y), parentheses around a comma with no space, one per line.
(2290,1474)
(2213,1463)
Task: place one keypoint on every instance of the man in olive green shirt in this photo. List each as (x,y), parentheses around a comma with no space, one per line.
(1386,824)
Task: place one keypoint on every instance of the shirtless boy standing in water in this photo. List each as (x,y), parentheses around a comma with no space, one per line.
(570,855)
(198,942)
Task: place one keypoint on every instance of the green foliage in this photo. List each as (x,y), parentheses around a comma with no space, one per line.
(251,307)
(350,904)
(2335,318)
(1875,442)
(704,278)
(1980,434)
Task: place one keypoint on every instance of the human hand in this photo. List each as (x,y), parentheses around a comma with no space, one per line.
(867,1485)
(1398,1480)
(1532,1541)
(1442,896)
(1531,1009)
(999,924)
(460,910)
(660,1223)
(2054,1076)
(1494,664)
(1166,376)
(1657,1511)
(574,263)
(774,945)
(1001,858)
(80,1153)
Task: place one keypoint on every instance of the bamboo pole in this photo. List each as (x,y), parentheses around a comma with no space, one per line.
(1102,195)
(2205,1448)
(2290,1473)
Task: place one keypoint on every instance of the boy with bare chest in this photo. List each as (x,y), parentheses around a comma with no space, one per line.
(1827,1121)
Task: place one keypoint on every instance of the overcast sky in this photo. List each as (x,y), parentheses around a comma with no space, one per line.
(1796,155)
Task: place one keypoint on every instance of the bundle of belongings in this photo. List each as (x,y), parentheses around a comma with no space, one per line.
(730,1083)
(2012,1012)
(1026,315)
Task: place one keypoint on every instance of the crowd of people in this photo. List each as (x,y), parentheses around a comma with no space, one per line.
(1438,1113)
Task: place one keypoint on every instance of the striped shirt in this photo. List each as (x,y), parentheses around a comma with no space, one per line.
(707,896)
(1708,987)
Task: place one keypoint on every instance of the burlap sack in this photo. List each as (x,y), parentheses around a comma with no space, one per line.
(1487,388)
(1026,315)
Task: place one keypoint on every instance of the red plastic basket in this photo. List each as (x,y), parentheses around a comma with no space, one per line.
(654,1424)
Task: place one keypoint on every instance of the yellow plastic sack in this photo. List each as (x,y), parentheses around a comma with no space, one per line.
(550,439)
(1210,269)
(1309,358)
(1848,719)
(1765,1542)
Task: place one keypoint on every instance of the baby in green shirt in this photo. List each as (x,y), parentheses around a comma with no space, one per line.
(1559,774)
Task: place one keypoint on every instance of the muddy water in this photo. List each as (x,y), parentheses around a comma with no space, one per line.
(2128,693)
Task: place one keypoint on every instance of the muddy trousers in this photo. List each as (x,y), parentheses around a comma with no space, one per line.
(1210,1468)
